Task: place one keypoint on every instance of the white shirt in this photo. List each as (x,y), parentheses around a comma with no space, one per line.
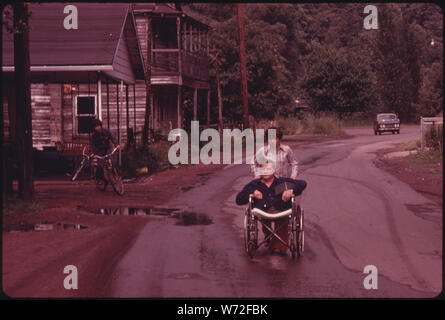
(286,163)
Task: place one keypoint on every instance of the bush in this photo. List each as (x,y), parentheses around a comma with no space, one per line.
(434,137)
(289,126)
(324,125)
(155,158)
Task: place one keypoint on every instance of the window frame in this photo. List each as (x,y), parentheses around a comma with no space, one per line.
(76,115)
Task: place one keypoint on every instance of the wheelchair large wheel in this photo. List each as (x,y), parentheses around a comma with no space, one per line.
(300,231)
(246,230)
(293,244)
(250,233)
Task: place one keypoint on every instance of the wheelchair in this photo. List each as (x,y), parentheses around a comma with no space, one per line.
(255,216)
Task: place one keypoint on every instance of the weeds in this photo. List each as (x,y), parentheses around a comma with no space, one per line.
(434,138)
(408,146)
(14,207)
(324,125)
(426,158)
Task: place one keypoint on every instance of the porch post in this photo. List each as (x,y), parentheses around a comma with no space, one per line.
(178,27)
(118,119)
(99,96)
(208,107)
(108,105)
(195,104)
(134,106)
(153,113)
(179,107)
(207,43)
(127,107)
(191,38)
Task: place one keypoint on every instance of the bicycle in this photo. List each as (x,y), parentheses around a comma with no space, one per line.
(108,174)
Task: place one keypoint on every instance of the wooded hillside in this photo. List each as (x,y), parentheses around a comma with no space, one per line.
(323,53)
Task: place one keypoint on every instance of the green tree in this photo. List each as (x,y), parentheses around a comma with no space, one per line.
(337,81)
(399,54)
(431,93)
(397,66)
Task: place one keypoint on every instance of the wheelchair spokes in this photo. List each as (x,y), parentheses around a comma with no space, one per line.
(295,229)
(300,231)
(250,233)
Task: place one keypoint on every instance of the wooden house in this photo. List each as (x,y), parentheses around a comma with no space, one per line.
(179,61)
(99,69)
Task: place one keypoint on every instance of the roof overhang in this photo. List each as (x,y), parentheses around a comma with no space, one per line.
(63,68)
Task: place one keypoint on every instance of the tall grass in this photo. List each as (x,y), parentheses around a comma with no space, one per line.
(409,146)
(324,125)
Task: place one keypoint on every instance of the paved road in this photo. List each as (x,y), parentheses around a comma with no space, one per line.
(355,214)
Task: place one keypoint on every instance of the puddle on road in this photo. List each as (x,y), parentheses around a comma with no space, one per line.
(127,211)
(44,226)
(185,276)
(185,218)
(192,218)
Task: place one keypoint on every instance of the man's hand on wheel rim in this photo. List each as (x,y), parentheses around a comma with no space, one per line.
(287,195)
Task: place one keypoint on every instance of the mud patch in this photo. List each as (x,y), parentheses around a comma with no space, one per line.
(423,176)
(313,159)
(185,276)
(424,211)
(192,218)
(44,226)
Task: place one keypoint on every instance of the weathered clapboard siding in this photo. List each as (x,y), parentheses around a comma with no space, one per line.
(110,41)
(141,27)
(44,127)
(122,68)
(55,118)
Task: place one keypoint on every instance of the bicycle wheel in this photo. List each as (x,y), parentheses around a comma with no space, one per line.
(116,181)
(99,180)
(79,169)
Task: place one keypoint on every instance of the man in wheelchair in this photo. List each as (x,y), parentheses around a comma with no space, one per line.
(272,194)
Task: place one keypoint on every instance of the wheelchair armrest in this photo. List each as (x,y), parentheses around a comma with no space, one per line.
(271,216)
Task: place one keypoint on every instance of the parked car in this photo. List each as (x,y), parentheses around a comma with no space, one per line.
(385,122)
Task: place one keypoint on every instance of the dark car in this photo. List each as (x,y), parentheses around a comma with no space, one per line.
(386,122)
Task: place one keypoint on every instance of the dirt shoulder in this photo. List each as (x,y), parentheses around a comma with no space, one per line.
(422,171)
(33,262)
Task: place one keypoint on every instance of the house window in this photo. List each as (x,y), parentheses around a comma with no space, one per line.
(85,112)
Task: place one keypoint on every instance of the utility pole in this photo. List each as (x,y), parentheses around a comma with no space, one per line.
(217,63)
(242,55)
(23,102)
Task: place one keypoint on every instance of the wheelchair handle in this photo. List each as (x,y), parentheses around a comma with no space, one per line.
(250,201)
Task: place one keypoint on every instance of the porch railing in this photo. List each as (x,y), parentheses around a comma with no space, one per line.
(166,62)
